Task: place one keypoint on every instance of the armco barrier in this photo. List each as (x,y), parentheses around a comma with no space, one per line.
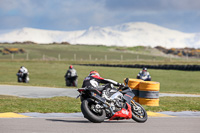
(166,67)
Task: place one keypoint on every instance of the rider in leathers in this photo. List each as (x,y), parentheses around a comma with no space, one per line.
(92,82)
(23,75)
(71,77)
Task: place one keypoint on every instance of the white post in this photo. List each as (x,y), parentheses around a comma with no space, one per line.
(121,57)
(187,56)
(105,57)
(90,57)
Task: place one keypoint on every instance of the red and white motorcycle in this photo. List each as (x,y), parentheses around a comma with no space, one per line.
(110,103)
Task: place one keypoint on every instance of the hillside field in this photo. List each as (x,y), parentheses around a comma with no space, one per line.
(98,54)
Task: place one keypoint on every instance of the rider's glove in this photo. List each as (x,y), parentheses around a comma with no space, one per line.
(120,84)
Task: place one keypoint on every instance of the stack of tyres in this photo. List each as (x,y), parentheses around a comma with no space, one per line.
(134,85)
(149,93)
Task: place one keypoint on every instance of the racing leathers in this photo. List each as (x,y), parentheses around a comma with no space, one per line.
(71,77)
(23,75)
(93,81)
(144,76)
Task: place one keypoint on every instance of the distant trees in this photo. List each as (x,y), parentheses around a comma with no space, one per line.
(13,50)
(6,51)
(190,52)
(30,42)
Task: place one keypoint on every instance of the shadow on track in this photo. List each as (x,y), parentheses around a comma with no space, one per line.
(69,121)
(86,121)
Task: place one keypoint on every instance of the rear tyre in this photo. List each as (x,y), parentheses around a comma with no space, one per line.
(75,83)
(139,114)
(87,108)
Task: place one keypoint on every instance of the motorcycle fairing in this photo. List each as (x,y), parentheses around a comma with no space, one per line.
(123,114)
(96,96)
(128,97)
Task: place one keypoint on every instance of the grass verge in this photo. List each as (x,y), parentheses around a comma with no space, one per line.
(72,105)
(176,104)
(41,105)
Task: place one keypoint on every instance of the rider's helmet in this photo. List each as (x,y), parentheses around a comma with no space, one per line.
(93,72)
(144,70)
(70,67)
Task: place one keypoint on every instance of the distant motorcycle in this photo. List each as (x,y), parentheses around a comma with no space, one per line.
(73,81)
(103,103)
(145,77)
(23,77)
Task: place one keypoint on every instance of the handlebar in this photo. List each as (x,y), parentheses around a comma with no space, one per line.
(122,87)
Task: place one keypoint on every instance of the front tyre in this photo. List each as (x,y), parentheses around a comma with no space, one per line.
(93,114)
(139,114)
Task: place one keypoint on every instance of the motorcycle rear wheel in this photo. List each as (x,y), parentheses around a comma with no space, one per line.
(89,113)
(139,115)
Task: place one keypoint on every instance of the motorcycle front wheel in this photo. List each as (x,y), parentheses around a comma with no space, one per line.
(89,110)
(139,114)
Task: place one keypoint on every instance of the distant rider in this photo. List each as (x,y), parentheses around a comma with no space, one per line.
(71,77)
(92,82)
(144,75)
(23,74)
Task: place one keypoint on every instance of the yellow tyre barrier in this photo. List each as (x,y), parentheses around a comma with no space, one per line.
(149,102)
(150,86)
(134,85)
(149,93)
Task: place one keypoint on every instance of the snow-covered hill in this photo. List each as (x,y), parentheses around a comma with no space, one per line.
(128,34)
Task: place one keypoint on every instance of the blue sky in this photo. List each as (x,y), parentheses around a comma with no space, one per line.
(68,15)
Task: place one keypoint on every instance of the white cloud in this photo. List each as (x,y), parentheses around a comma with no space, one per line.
(155,5)
(81,14)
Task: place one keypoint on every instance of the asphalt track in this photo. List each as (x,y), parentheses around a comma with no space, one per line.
(47,92)
(36,92)
(81,125)
(160,122)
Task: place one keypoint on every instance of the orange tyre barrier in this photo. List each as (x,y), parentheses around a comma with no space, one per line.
(134,85)
(149,102)
(149,93)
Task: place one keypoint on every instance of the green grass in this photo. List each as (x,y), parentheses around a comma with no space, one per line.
(176,104)
(42,105)
(51,74)
(71,105)
(84,52)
